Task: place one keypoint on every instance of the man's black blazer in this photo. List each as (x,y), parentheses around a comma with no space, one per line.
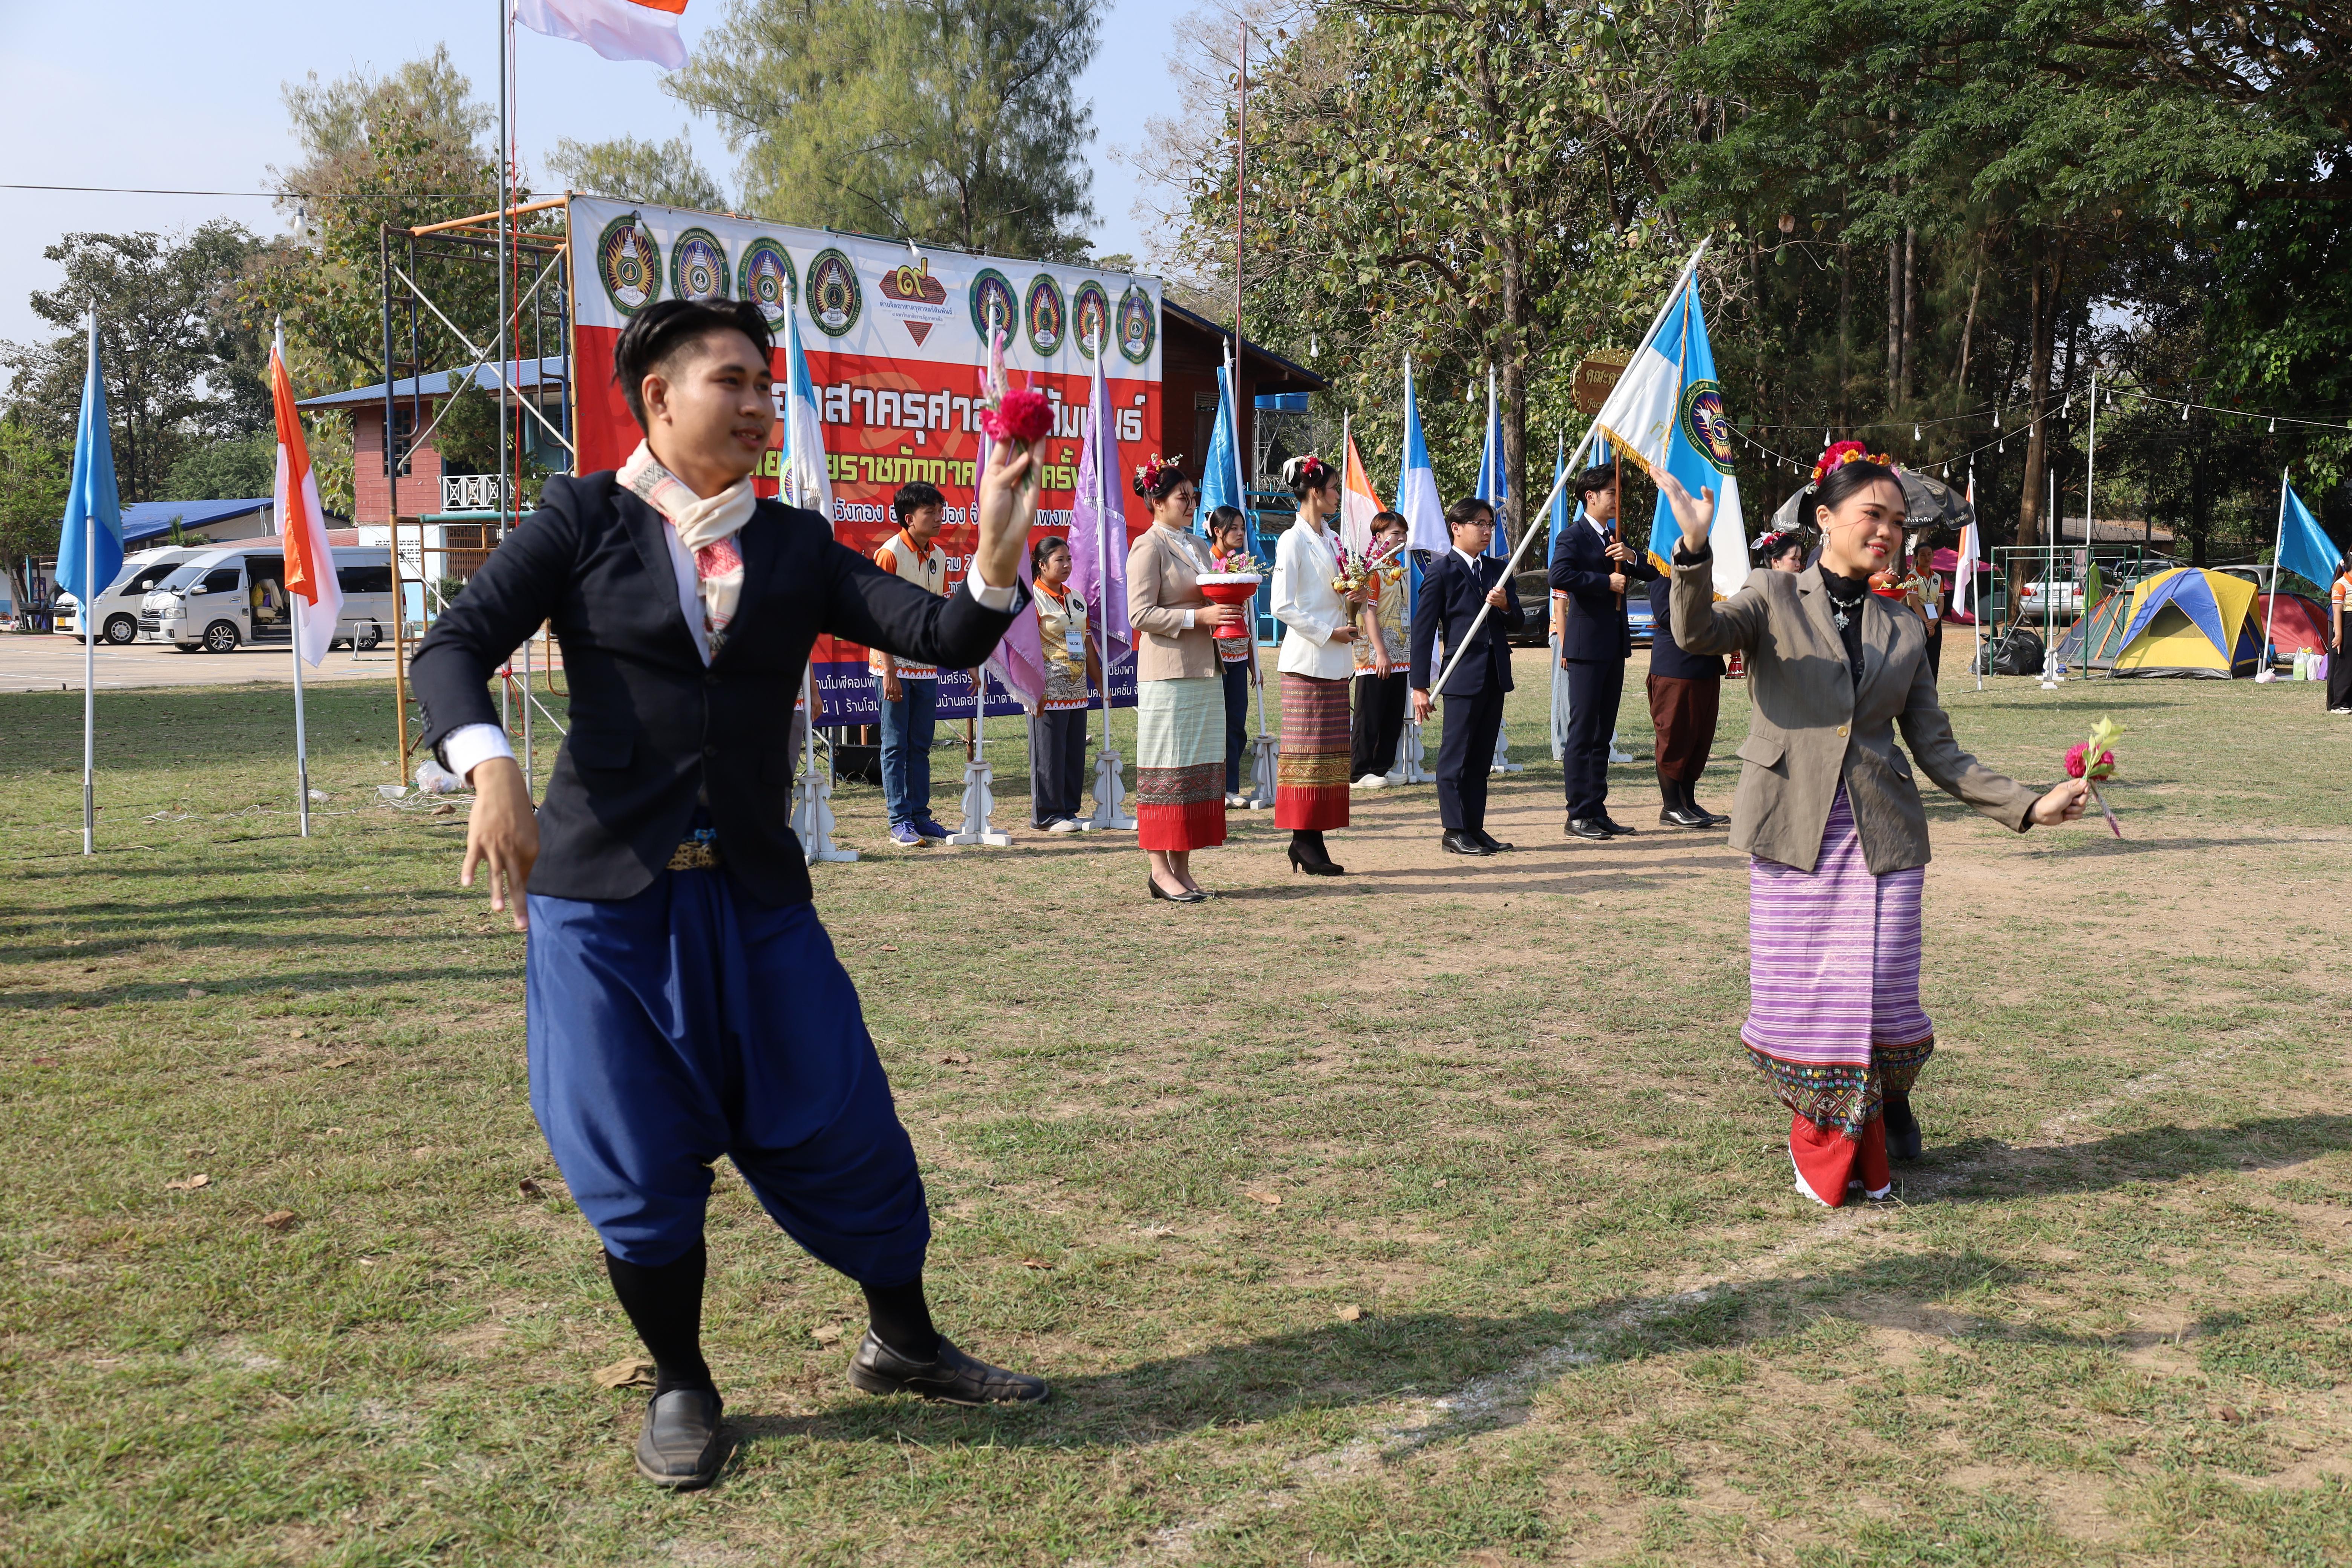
(1596,627)
(1451,594)
(651,724)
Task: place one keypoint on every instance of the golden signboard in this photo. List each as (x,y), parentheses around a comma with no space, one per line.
(1597,377)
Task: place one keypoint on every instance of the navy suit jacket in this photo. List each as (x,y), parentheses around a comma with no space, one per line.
(1597,627)
(1451,594)
(653,727)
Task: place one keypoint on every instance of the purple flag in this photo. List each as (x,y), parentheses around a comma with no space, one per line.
(1098,525)
(1018,661)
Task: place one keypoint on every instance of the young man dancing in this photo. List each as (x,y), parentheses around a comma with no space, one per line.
(684,1000)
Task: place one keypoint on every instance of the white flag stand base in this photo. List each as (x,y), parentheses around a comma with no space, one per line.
(1110,789)
(978,805)
(1503,764)
(1265,754)
(812,816)
(1410,755)
(1615,755)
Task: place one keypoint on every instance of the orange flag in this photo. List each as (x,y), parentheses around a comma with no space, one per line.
(301,521)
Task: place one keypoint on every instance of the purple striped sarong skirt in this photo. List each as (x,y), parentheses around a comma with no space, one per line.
(1833,1014)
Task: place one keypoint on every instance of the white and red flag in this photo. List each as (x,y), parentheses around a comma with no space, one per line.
(616,29)
(1359,502)
(302,520)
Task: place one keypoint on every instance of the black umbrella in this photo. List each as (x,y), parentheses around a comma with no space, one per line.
(1933,506)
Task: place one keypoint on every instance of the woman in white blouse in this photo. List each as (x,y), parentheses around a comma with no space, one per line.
(1317,666)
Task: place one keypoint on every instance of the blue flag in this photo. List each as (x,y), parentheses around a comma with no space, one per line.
(1699,453)
(2303,547)
(1221,478)
(1416,487)
(1492,482)
(93,508)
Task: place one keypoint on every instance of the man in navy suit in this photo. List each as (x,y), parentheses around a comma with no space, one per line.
(1591,564)
(1453,587)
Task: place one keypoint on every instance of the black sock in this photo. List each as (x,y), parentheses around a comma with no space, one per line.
(665,1306)
(1669,790)
(901,1319)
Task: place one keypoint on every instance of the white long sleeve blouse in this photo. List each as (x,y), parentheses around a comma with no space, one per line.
(1309,608)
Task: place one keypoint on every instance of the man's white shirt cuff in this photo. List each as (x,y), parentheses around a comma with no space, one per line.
(468,746)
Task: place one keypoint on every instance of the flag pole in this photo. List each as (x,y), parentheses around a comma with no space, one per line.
(89,607)
(2090,521)
(2270,613)
(1583,447)
(301,738)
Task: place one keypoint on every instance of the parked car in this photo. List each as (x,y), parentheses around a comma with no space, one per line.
(1534,583)
(2064,595)
(118,607)
(223,598)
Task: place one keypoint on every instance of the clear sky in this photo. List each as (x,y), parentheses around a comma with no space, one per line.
(181,96)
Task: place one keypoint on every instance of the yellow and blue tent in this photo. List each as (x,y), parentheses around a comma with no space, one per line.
(2190,622)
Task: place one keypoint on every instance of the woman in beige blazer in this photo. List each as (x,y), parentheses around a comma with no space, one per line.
(1830,811)
(1179,704)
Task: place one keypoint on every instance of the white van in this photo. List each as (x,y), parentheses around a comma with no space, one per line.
(118,607)
(223,598)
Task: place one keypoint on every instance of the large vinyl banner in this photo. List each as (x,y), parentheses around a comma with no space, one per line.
(895,344)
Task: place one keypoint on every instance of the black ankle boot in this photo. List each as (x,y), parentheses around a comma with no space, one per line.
(1307,854)
(1904,1142)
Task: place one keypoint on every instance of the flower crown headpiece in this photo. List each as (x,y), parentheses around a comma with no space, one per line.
(1768,543)
(1306,469)
(1846,452)
(1147,474)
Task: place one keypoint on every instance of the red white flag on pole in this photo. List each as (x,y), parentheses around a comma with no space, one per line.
(301,521)
(616,29)
(1359,502)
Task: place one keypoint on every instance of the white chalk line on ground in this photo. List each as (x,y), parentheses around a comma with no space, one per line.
(1426,1421)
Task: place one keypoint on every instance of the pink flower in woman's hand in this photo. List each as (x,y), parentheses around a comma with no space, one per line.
(1022,417)
(2075,766)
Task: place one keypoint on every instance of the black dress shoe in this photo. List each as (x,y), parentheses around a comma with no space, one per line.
(1684,816)
(950,1376)
(1615,828)
(1460,841)
(680,1446)
(1588,827)
(1493,845)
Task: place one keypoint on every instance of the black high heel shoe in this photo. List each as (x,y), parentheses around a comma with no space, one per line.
(1315,865)
(1189,896)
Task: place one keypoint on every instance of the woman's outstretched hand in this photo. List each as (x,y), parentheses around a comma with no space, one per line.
(1693,514)
(2064,803)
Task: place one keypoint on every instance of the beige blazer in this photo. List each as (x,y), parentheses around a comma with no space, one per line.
(1164,581)
(1812,728)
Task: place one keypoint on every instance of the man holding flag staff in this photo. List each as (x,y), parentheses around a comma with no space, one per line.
(1594,567)
(1452,588)
(684,1001)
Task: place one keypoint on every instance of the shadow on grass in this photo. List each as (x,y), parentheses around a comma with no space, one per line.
(1985,1170)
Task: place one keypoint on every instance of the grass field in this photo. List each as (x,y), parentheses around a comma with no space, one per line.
(1430,1215)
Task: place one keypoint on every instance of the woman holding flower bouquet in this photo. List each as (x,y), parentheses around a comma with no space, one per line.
(1317,589)
(1383,659)
(1828,808)
(1179,700)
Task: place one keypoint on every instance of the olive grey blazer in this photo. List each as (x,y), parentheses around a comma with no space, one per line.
(1812,728)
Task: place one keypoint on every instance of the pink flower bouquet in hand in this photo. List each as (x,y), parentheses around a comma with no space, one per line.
(2095,759)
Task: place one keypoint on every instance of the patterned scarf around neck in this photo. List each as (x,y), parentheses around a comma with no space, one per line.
(705,527)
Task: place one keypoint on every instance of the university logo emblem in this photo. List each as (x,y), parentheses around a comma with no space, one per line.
(918,300)
(628,262)
(1138,324)
(765,278)
(835,300)
(1091,317)
(1705,425)
(993,298)
(1045,316)
(698,266)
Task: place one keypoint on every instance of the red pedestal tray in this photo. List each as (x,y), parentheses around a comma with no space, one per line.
(1231,588)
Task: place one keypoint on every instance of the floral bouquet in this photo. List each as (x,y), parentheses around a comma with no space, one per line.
(1020,416)
(2094,760)
(1239,562)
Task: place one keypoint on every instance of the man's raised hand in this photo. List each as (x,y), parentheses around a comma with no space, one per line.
(1007,506)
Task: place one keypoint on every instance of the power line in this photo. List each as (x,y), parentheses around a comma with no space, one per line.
(264,196)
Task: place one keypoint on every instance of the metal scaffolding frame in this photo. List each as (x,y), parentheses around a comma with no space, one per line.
(535,277)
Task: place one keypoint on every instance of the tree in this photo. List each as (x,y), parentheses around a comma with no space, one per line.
(34,473)
(948,121)
(173,356)
(630,169)
(232,468)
